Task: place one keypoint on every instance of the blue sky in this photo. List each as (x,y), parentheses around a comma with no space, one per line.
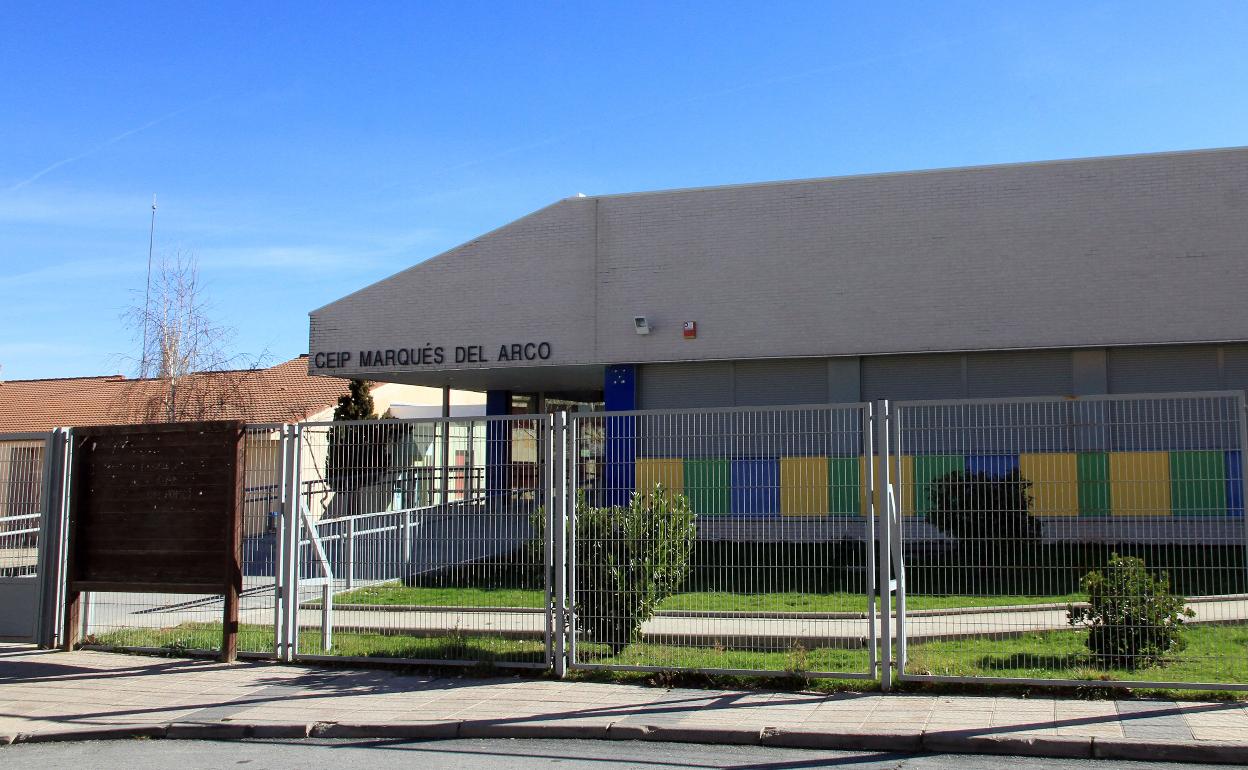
(302,151)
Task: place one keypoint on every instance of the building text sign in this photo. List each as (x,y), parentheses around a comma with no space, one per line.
(431,355)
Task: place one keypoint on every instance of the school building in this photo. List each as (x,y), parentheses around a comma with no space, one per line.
(1117,275)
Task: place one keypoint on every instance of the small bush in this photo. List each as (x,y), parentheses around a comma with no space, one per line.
(628,560)
(1132,618)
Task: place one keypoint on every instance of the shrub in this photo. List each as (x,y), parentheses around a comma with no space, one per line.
(989,515)
(628,560)
(1132,618)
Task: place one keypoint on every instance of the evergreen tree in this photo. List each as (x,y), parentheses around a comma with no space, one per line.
(357,404)
(356,453)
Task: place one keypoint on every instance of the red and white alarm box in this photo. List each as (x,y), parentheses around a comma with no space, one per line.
(691,330)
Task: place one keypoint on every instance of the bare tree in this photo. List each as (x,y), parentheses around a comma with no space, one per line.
(186,368)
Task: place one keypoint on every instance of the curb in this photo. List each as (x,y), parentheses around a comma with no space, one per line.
(1210,752)
(414,730)
(882,740)
(486,728)
(111,732)
(965,742)
(942,742)
(719,735)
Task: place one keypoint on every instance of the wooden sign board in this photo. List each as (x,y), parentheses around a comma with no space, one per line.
(157,509)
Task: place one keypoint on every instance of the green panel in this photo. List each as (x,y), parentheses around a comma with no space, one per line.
(927,468)
(1093,469)
(706,485)
(1198,483)
(844,493)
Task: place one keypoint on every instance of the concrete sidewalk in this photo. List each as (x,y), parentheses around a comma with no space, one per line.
(63,696)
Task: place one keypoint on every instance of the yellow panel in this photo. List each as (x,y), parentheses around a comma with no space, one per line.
(907,489)
(1139,483)
(804,486)
(668,471)
(1054,478)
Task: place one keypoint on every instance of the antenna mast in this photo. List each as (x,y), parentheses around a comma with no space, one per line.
(147,292)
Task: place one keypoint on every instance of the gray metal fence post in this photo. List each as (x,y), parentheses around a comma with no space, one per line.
(290,545)
(567,536)
(871,579)
(350,556)
(896,546)
(279,602)
(557,521)
(279,539)
(884,531)
(51,534)
(1243,465)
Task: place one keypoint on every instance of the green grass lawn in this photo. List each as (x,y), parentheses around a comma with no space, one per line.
(794,660)
(397,593)
(187,636)
(704,601)
(207,636)
(252,638)
(1212,654)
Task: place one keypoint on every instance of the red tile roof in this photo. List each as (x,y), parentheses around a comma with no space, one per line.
(281,393)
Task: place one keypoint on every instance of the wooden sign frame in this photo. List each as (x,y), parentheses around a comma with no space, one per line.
(157,509)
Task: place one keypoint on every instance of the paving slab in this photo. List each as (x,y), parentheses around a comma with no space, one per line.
(91,695)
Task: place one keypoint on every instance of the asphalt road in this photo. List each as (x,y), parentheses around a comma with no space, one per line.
(485,754)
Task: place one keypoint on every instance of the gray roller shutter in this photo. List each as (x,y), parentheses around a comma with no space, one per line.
(1235,367)
(1019,373)
(1163,369)
(912,377)
(685,386)
(767,383)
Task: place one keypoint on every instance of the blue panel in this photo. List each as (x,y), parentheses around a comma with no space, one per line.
(497,444)
(1234,483)
(497,402)
(755,486)
(993,465)
(619,392)
(619,388)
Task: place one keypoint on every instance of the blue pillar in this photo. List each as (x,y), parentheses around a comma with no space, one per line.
(620,395)
(497,444)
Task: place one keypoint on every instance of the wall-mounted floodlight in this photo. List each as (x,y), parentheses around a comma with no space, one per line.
(641,325)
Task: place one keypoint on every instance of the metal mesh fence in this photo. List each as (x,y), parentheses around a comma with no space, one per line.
(21,489)
(1040,540)
(425,540)
(721,540)
(1054,539)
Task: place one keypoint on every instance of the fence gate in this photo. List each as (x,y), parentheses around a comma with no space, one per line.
(423,540)
(29,507)
(771,509)
(1014,513)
